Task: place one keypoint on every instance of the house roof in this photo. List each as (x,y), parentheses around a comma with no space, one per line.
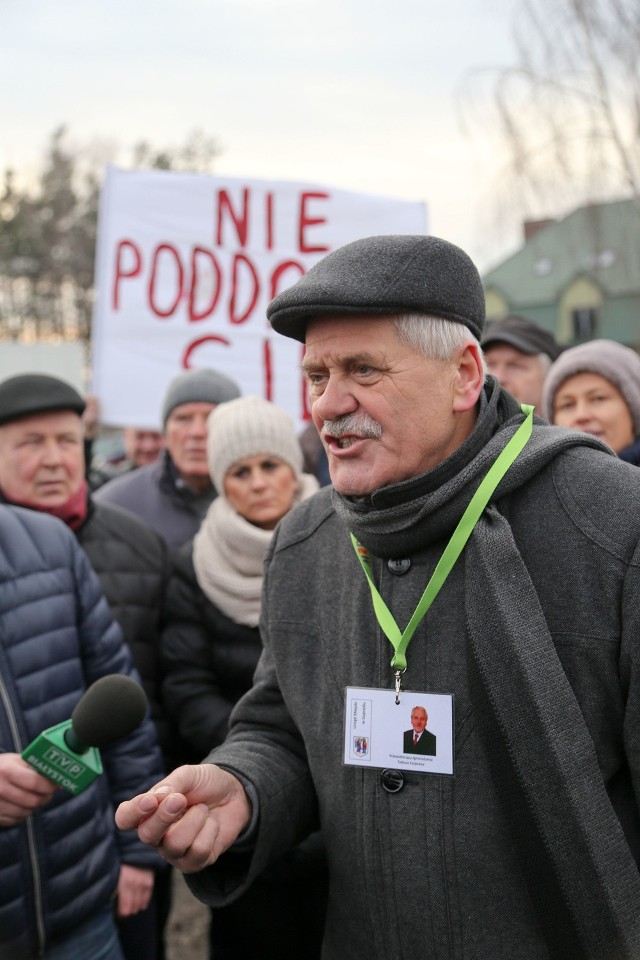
(600,241)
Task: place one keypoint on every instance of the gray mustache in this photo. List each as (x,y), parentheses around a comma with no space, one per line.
(360,424)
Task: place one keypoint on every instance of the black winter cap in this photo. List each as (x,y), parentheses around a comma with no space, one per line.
(524,334)
(385,275)
(31,393)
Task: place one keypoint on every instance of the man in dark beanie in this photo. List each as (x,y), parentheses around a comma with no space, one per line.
(470,558)
(42,468)
(173,494)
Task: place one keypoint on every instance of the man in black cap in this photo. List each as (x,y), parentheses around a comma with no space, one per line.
(466,558)
(518,352)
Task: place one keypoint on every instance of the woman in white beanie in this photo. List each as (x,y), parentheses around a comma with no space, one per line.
(595,387)
(211,647)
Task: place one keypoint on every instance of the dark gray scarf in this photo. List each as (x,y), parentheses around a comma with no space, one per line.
(580,872)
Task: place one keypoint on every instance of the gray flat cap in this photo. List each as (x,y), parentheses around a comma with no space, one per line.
(524,334)
(385,275)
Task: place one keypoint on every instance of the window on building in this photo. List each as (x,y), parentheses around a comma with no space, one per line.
(585,322)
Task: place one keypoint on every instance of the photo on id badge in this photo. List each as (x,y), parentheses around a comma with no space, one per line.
(414,734)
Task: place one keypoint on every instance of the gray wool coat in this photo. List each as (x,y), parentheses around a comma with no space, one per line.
(530,850)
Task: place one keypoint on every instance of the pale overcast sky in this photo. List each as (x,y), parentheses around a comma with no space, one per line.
(356,94)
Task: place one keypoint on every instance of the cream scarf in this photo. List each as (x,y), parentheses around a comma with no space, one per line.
(228,557)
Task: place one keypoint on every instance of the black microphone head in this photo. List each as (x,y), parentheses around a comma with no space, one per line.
(110,709)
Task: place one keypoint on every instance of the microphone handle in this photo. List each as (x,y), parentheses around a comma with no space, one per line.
(51,755)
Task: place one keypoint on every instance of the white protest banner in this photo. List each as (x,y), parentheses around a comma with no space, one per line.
(186,266)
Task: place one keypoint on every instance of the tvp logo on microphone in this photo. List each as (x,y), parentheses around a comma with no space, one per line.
(68,754)
(50,756)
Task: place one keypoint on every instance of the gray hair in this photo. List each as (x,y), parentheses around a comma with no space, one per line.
(435,337)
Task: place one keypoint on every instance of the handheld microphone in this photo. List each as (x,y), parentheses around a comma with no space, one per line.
(68,753)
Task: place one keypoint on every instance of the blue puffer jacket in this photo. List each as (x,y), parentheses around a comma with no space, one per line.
(56,637)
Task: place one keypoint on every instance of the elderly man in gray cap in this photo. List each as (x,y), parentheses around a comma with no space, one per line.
(173,494)
(465,559)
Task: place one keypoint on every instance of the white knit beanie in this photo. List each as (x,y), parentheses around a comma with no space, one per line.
(247,427)
(617,364)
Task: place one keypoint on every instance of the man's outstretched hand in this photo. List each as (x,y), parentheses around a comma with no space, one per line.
(190,817)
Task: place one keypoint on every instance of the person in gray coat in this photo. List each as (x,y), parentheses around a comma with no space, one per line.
(469,557)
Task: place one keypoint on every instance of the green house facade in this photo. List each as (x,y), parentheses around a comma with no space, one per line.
(579,276)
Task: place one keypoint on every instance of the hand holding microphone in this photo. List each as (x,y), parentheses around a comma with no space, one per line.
(68,753)
(22,790)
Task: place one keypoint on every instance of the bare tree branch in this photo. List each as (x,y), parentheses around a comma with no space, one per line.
(567,112)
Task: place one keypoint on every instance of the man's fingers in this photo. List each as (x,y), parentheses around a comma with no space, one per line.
(18,777)
(17,801)
(11,813)
(153,828)
(179,834)
(131,813)
(37,785)
(190,844)
(182,780)
(191,817)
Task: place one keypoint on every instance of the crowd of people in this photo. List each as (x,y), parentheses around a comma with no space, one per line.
(459,522)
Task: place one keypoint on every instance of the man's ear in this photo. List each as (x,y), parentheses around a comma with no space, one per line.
(468,379)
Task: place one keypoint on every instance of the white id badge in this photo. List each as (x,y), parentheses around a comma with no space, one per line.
(415,734)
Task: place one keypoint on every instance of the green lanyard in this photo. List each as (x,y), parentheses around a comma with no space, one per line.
(400,640)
